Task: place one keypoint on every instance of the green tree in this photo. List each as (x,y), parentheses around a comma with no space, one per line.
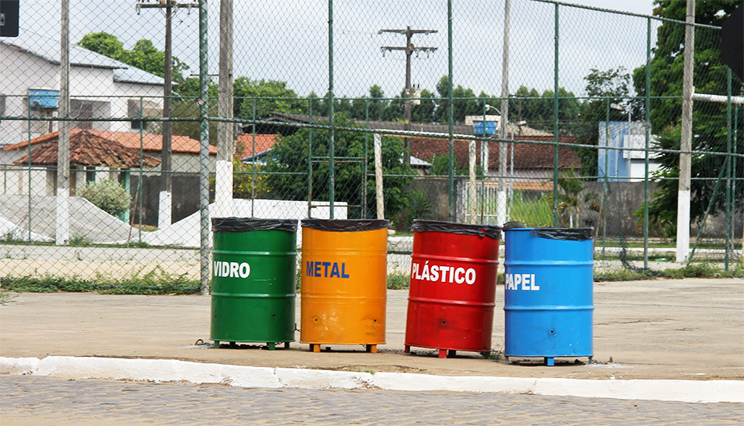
(537,109)
(573,200)
(271,96)
(377,102)
(287,169)
(441,114)
(394,110)
(709,119)
(604,88)
(529,107)
(359,108)
(104,43)
(424,112)
(465,103)
(143,55)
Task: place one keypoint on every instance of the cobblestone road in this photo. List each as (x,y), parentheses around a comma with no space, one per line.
(44,401)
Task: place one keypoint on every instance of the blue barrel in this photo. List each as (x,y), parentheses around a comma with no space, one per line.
(549,298)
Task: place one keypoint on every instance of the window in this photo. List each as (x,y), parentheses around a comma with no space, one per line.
(81,109)
(90,174)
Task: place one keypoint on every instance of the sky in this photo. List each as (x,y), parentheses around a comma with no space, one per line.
(642,7)
(288,40)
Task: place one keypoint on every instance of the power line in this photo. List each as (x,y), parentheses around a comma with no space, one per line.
(409,49)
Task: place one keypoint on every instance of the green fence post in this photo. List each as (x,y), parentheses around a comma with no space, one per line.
(253,157)
(310,163)
(735,175)
(730,159)
(648,137)
(451,111)
(484,166)
(556,124)
(364,163)
(331,142)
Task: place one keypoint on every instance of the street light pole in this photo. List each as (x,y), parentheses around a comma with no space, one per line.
(504,122)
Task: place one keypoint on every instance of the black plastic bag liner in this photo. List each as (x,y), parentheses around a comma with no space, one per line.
(345,225)
(489,231)
(247,224)
(568,234)
(513,225)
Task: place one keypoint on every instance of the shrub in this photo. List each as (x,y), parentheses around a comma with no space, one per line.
(420,206)
(108,196)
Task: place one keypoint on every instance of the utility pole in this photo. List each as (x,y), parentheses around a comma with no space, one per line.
(683,193)
(62,215)
(504,122)
(225,149)
(409,49)
(165,164)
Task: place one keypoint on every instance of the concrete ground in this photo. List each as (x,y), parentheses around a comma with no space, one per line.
(690,329)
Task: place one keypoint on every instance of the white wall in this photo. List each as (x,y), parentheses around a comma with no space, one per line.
(123,92)
(189,163)
(19,72)
(638,169)
(15,181)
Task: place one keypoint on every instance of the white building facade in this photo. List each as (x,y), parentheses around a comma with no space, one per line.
(100,87)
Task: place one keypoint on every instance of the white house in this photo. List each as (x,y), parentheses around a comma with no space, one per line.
(100,87)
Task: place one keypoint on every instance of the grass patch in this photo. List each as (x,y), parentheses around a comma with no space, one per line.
(154,282)
(533,212)
(6,297)
(493,354)
(692,270)
(627,275)
(80,241)
(703,270)
(398,281)
(653,244)
(639,256)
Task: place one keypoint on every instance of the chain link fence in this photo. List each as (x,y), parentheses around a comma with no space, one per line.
(580,128)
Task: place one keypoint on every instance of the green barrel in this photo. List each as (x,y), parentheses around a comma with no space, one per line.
(253,280)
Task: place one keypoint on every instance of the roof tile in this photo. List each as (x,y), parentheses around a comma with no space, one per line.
(90,149)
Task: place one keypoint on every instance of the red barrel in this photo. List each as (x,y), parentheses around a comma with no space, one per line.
(453,286)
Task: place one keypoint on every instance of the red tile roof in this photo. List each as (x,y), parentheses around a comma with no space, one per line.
(244,145)
(90,149)
(149,141)
(526,155)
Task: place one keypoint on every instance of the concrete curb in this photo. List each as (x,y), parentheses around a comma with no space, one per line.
(158,370)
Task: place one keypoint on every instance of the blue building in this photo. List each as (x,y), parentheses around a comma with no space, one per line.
(626,162)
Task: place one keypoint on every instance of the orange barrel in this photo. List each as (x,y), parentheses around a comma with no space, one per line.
(344,282)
